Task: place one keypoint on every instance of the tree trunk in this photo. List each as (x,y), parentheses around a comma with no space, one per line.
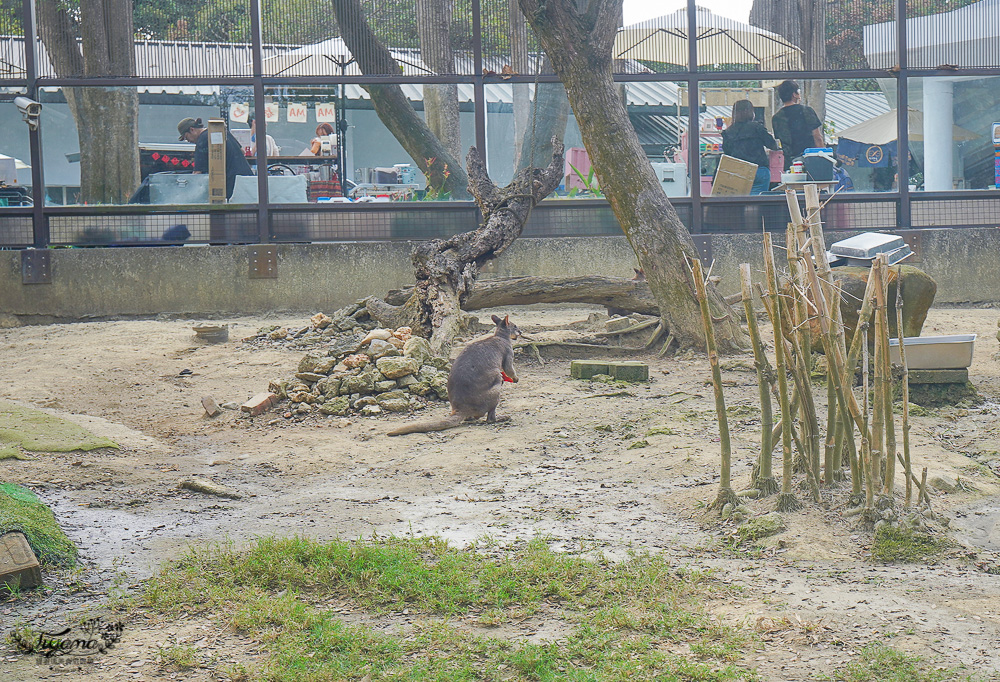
(630,295)
(547,120)
(444,172)
(106,118)
(446,269)
(579,44)
(440,100)
(519,63)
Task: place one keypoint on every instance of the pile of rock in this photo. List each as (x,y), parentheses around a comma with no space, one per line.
(383,370)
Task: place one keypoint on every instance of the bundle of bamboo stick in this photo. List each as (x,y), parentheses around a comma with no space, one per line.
(860,434)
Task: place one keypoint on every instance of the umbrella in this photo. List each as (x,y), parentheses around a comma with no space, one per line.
(720,41)
(881,130)
(9,167)
(330,57)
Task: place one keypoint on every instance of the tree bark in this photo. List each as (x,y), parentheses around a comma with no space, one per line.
(548,115)
(106,118)
(614,292)
(440,99)
(444,172)
(519,63)
(446,269)
(579,42)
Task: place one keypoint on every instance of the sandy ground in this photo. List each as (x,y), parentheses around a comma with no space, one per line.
(550,471)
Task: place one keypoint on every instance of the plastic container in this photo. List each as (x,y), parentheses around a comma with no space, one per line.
(935,352)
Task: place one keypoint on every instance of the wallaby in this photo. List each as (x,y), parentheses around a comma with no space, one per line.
(475,380)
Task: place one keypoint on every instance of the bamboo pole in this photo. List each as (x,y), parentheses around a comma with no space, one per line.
(786,499)
(906,388)
(890,422)
(726,494)
(878,404)
(866,451)
(764,479)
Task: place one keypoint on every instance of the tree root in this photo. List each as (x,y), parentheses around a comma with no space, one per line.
(788,503)
(725,496)
(766,486)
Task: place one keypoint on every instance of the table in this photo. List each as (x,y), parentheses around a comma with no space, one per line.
(820,185)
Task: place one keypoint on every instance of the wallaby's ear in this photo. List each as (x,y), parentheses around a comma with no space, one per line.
(506,320)
(496,320)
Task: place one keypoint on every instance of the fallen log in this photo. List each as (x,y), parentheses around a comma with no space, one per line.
(614,292)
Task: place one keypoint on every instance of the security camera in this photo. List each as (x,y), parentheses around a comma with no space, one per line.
(30,111)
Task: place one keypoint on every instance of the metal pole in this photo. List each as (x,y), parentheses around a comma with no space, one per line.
(903,217)
(256,43)
(479,91)
(694,123)
(39,223)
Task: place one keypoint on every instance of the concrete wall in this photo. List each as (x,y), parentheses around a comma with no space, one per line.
(214,281)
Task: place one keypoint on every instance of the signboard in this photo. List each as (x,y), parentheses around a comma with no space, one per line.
(996,155)
(326,113)
(271,112)
(298,113)
(216,161)
(996,133)
(239,112)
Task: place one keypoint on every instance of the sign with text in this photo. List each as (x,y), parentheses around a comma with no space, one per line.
(298,113)
(271,112)
(239,112)
(326,113)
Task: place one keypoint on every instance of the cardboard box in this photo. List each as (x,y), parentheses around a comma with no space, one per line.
(734,177)
(216,161)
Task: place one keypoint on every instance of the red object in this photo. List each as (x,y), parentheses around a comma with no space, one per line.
(504,376)
(156,156)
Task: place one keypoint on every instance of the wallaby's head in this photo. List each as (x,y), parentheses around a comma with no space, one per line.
(506,328)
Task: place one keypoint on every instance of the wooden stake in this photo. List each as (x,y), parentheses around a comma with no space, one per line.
(764,480)
(726,494)
(906,387)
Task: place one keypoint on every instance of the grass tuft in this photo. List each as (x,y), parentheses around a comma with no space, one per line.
(21,510)
(893,545)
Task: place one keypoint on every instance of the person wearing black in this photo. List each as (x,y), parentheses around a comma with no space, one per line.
(193,130)
(795,125)
(746,139)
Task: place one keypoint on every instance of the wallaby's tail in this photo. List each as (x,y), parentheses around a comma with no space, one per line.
(448,422)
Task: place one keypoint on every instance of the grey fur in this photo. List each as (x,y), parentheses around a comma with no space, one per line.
(475,381)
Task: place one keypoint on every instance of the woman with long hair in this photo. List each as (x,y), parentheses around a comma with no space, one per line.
(746,139)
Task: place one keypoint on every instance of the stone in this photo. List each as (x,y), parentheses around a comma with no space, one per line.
(303,408)
(345,345)
(337,407)
(259,403)
(427,372)
(395,367)
(387,385)
(943,483)
(309,377)
(585,369)
(18,563)
(320,321)
(919,290)
(440,364)
(407,380)
(418,349)
(203,485)
(279,388)
(395,405)
(439,384)
(390,395)
(366,400)
(421,388)
(370,410)
(361,383)
(761,526)
(629,370)
(211,407)
(278,334)
(328,386)
(355,361)
(380,349)
(377,334)
(616,324)
(309,362)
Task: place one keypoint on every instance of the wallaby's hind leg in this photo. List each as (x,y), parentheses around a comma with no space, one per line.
(492,417)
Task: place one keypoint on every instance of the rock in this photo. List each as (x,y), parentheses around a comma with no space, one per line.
(309,377)
(391,395)
(366,400)
(201,485)
(380,349)
(303,408)
(440,386)
(395,405)
(370,410)
(356,360)
(395,367)
(309,362)
(919,290)
(377,334)
(421,388)
(942,483)
(337,407)
(279,388)
(632,371)
(345,345)
(405,381)
(727,511)
(278,334)
(211,407)
(387,385)
(320,321)
(328,386)
(585,369)
(398,343)
(440,363)
(418,349)
(761,526)
(616,324)
(361,383)
(403,333)
(427,372)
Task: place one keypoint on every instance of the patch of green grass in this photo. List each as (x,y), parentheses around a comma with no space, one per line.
(38,431)
(880,663)
(638,619)
(639,444)
(661,431)
(178,657)
(902,545)
(21,510)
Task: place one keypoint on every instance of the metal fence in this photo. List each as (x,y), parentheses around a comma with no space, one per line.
(898,44)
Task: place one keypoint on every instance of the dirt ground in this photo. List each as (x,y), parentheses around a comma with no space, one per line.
(813,593)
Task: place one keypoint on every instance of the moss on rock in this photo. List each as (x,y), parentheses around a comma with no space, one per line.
(21,510)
